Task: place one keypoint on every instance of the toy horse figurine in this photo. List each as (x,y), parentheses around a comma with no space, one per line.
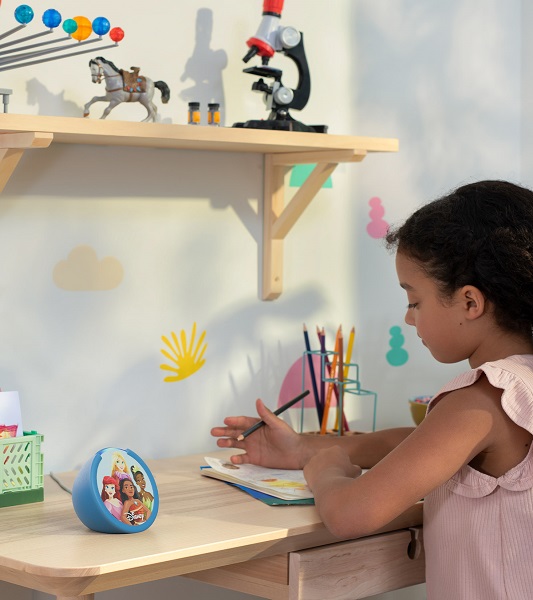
(123,86)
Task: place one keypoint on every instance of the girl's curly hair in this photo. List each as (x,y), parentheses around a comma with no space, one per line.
(480,234)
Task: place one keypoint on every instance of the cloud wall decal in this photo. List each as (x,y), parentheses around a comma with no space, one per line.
(82,271)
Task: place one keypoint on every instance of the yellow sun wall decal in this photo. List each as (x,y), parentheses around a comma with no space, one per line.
(186,357)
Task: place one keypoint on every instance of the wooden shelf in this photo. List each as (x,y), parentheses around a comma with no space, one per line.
(281,150)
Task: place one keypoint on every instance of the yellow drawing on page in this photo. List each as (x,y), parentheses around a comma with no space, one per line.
(285,483)
(186,357)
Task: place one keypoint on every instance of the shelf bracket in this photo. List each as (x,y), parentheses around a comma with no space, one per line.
(12,147)
(279,219)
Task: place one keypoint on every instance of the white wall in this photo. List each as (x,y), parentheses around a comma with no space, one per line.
(445,78)
(527,95)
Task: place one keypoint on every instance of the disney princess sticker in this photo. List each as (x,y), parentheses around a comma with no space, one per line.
(127,490)
(146,496)
(119,467)
(134,512)
(111,496)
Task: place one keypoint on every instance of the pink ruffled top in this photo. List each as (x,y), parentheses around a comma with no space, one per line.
(478,529)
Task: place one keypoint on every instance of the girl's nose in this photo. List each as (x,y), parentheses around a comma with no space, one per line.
(409,317)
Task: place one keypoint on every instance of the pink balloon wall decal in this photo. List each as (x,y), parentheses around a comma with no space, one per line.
(377,227)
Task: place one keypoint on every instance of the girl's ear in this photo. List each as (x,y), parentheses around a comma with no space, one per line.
(473,300)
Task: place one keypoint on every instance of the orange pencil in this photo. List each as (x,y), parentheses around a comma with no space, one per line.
(331,385)
(340,377)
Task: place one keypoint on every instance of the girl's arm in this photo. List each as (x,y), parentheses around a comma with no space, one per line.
(453,433)
(277,445)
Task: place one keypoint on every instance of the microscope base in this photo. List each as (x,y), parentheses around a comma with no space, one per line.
(282,125)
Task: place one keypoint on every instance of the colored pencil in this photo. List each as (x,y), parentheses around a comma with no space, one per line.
(327,369)
(323,362)
(346,372)
(331,386)
(327,362)
(319,409)
(340,377)
(321,333)
(349,353)
(277,412)
(347,362)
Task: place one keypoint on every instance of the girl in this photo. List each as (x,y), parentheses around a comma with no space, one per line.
(119,468)
(134,512)
(111,497)
(466,264)
(146,497)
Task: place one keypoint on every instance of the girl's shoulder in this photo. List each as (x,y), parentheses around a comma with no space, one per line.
(501,391)
(477,394)
(509,381)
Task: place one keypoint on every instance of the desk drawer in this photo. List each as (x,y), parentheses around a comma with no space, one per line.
(358,568)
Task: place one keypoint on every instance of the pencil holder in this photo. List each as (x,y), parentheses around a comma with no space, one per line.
(21,469)
(342,391)
(115,492)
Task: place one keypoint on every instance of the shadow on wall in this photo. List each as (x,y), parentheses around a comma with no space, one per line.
(126,411)
(435,73)
(76,172)
(205,67)
(49,103)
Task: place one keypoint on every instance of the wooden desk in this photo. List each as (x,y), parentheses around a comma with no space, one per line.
(209,531)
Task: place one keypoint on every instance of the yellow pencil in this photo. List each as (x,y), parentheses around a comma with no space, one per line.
(346,369)
(349,351)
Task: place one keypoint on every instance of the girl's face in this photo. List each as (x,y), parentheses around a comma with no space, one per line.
(128,489)
(121,465)
(139,479)
(110,490)
(438,322)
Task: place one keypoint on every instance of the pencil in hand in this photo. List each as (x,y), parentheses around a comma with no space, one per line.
(277,412)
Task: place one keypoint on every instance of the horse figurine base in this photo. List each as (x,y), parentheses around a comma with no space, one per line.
(123,86)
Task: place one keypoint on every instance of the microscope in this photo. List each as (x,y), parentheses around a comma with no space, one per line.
(270,38)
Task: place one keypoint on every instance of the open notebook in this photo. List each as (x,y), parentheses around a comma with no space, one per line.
(279,483)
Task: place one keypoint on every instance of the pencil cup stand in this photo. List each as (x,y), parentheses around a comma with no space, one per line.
(115,492)
(349,404)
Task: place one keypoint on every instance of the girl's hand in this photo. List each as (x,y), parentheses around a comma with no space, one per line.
(329,463)
(274,445)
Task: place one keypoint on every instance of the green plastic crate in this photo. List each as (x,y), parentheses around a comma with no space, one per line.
(21,469)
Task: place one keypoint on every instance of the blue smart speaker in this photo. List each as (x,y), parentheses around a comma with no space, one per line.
(115,492)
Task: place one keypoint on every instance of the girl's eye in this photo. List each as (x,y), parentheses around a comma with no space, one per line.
(414,305)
